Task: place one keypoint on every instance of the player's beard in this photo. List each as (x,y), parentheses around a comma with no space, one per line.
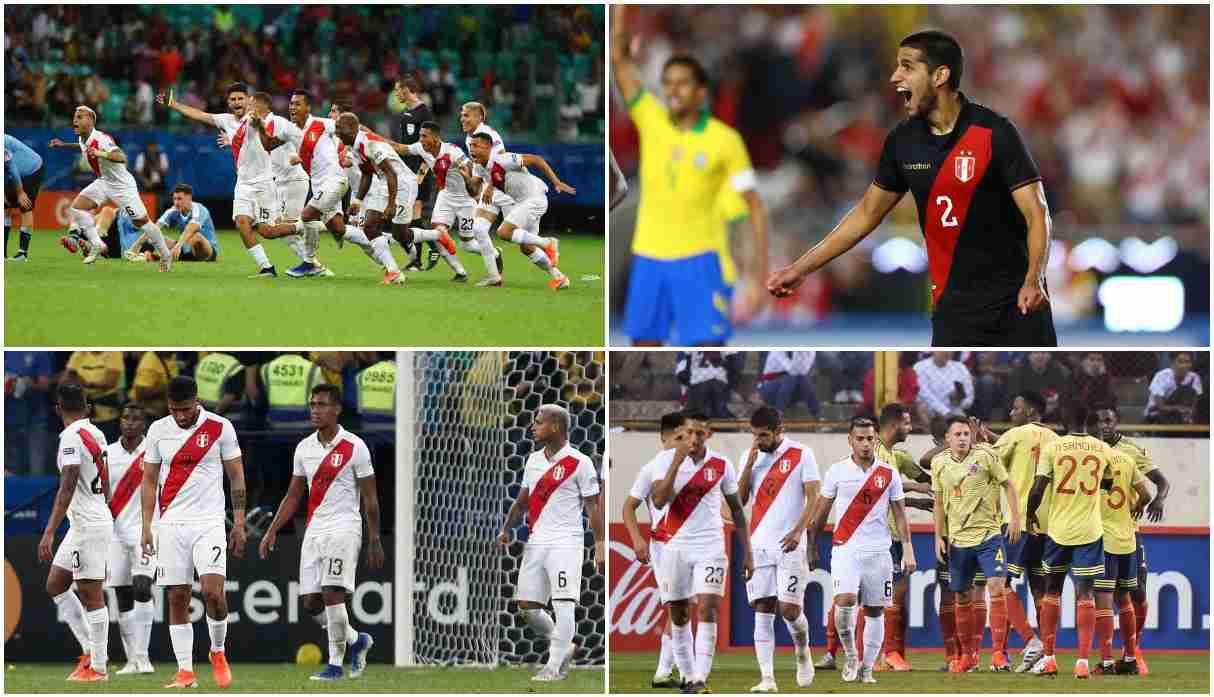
(926,104)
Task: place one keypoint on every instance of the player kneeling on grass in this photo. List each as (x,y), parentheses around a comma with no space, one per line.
(558,482)
(197,242)
(334,467)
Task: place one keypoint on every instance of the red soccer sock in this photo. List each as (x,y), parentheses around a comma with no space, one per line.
(1140,618)
(978,618)
(1085,625)
(948,628)
(900,633)
(965,627)
(999,621)
(1104,632)
(893,618)
(1016,617)
(1049,622)
(1129,628)
(832,634)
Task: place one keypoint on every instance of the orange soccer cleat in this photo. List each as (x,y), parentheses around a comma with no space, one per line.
(559,283)
(1048,665)
(223,673)
(896,662)
(1142,662)
(393,278)
(553,250)
(1081,669)
(954,665)
(90,675)
(183,678)
(82,664)
(999,662)
(448,244)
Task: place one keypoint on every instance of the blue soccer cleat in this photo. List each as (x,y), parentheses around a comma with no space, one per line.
(331,672)
(305,268)
(358,654)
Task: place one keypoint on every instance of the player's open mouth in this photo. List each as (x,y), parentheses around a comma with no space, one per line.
(906,94)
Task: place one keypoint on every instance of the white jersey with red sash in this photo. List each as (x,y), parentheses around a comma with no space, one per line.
(693,516)
(126,479)
(317,147)
(252,159)
(777,487)
(106,169)
(446,170)
(556,488)
(191,460)
(332,470)
(83,444)
(862,499)
(642,487)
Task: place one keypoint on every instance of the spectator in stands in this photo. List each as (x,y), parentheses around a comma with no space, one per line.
(1043,375)
(1174,392)
(442,89)
(990,371)
(101,374)
(150,387)
(145,99)
(708,383)
(908,387)
(27,384)
(785,381)
(945,386)
(1091,384)
(845,369)
(151,168)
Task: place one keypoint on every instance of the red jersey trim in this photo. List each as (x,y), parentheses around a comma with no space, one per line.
(685,502)
(328,470)
(187,459)
(238,140)
(773,484)
(96,452)
(555,476)
(868,495)
(127,487)
(948,202)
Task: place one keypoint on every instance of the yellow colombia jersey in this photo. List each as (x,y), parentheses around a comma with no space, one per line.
(1116,504)
(1020,450)
(1075,464)
(682,175)
(905,463)
(970,491)
(1141,462)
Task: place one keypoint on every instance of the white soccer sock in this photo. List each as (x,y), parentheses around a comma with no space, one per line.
(182,638)
(765,643)
(311,232)
(296,244)
(706,648)
(421,234)
(470,245)
(487,251)
(799,629)
(452,261)
(219,633)
(520,236)
(562,639)
(129,631)
(540,622)
(99,628)
(666,657)
(684,650)
(73,614)
(356,235)
(845,625)
(85,223)
(540,259)
(259,256)
(144,614)
(383,255)
(874,635)
(152,230)
(339,625)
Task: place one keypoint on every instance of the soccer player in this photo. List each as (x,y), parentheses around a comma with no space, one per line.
(861,489)
(333,466)
(506,171)
(783,475)
(1133,610)
(84,488)
(1075,467)
(113,183)
(558,483)
(197,242)
(131,571)
(1019,450)
(966,482)
(619,184)
(694,561)
(682,275)
(981,206)
(22,181)
(198,447)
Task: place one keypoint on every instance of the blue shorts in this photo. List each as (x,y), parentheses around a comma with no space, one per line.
(1142,557)
(1025,554)
(684,302)
(965,564)
(1084,561)
(1120,572)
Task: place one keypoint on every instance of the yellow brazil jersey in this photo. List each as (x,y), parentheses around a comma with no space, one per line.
(1075,464)
(682,175)
(1116,504)
(731,208)
(905,463)
(1020,450)
(970,491)
(1141,462)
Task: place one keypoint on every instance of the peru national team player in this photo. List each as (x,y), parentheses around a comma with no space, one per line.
(861,489)
(83,491)
(783,476)
(186,456)
(333,466)
(558,483)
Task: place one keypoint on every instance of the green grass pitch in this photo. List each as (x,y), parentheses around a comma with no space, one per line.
(55,300)
(287,678)
(736,671)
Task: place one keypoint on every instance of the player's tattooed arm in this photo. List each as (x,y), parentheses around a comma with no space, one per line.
(237,539)
(63,499)
(1035,497)
(743,532)
(370,500)
(286,511)
(622,67)
(816,521)
(514,515)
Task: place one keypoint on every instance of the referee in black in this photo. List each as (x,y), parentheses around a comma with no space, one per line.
(408,132)
(981,207)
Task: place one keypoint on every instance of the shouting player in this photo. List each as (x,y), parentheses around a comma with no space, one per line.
(981,206)
(333,466)
(694,562)
(783,475)
(558,483)
(84,488)
(861,489)
(184,460)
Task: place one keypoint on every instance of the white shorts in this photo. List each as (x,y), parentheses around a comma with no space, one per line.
(326,196)
(328,559)
(550,573)
(526,214)
(292,196)
(182,549)
(257,201)
(454,212)
(83,551)
(688,572)
(656,550)
(127,560)
(778,574)
(501,200)
(406,194)
(125,197)
(871,574)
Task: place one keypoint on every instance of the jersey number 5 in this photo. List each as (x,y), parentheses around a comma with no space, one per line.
(947,219)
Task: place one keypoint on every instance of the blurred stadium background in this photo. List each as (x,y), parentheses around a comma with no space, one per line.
(1112,100)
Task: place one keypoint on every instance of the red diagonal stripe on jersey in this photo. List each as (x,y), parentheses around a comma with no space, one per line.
(555,476)
(948,202)
(96,452)
(186,459)
(127,486)
(329,468)
(868,495)
(441,165)
(685,502)
(772,484)
(93,162)
(238,140)
(312,133)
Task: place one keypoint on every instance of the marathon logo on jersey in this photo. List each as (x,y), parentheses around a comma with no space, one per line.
(69,451)
(965,165)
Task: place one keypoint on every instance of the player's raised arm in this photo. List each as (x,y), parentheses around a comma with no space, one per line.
(664,489)
(370,502)
(743,531)
(591,505)
(747,472)
(68,478)
(542,164)
(286,511)
(235,471)
(168,99)
(639,546)
(622,68)
(1030,199)
(514,515)
(857,224)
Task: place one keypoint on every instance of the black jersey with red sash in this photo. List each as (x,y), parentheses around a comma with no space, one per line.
(879,478)
(684,502)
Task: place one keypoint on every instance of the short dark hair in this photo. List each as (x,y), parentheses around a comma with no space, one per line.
(694,415)
(71,397)
(302,93)
(182,389)
(938,426)
(860,422)
(1034,400)
(766,417)
(1079,418)
(939,49)
(955,419)
(332,390)
(431,126)
(483,136)
(263,97)
(892,412)
(671,421)
(134,406)
(409,81)
(1178,354)
(183,189)
(236,87)
(695,66)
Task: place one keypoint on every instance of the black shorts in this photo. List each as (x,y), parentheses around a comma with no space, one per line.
(426,193)
(32,184)
(997,325)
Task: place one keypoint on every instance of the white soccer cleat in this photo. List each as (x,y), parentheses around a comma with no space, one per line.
(145,664)
(567,661)
(851,668)
(547,675)
(1038,666)
(805,668)
(489,281)
(94,252)
(1032,653)
(766,685)
(866,676)
(131,668)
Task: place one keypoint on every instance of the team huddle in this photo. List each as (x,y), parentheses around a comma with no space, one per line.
(1027,503)
(150,509)
(293,174)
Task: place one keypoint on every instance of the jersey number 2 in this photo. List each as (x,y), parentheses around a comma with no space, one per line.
(947,219)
